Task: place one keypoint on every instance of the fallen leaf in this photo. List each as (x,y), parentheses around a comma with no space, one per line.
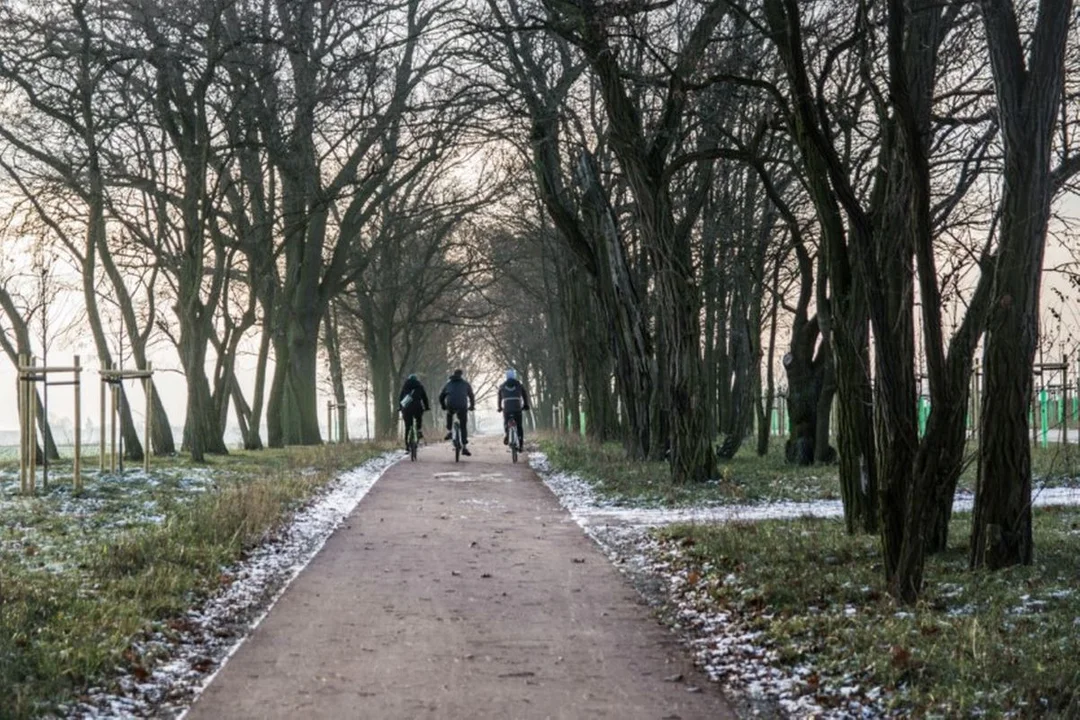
(901,657)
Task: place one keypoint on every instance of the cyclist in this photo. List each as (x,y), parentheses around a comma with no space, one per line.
(413,403)
(513,401)
(457,398)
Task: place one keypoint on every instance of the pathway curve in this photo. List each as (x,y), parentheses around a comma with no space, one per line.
(460,591)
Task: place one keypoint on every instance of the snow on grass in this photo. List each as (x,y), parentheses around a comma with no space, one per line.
(737,656)
(109,502)
(191,650)
(577,496)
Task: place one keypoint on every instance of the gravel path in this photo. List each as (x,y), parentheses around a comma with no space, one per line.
(460,591)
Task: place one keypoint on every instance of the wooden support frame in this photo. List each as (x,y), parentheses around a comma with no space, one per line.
(29,374)
(334,416)
(111,379)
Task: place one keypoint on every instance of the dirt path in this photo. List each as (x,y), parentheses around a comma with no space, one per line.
(460,591)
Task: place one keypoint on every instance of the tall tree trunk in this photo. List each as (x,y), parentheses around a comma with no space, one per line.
(202,429)
(299,405)
(332,344)
(22,347)
(161,440)
(253,438)
(1027,98)
(381,374)
(95,237)
(765,408)
(856,449)
(275,401)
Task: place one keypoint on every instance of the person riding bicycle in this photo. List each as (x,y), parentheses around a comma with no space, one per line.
(513,401)
(457,398)
(413,403)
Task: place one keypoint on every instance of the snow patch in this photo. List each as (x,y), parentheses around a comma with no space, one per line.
(194,648)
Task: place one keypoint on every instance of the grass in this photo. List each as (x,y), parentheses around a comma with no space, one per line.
(81,577)
(746,478)
(1000,644)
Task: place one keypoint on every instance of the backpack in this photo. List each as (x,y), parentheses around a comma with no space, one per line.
(512,401)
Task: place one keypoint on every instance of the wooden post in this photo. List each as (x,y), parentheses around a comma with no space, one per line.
(23,430)
(114,402)
(76,466)
(101,427)
(1064,413)
(148,388)
(342,422)
(31,484)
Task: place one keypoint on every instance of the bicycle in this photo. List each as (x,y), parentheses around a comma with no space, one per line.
(455,435)
(412,440)
(512,429)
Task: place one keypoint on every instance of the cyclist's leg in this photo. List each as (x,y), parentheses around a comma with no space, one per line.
(463,418)
(506,428)
(520,428)
(449,424)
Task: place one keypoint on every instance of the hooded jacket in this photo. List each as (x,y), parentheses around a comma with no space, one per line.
(457,395)
(419,396)
(513,397)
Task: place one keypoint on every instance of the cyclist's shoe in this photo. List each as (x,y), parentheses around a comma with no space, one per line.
(448,436)
(506,439)
(419,435)
(465,451)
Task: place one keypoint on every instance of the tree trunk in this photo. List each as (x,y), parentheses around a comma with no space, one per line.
(856,449)
(202,430)
(95,233)
(253,438)
(804,393)
(766,407)
(622,300)
(161,440)
(331,341)
(1027,99)
(300,413)
(275,401)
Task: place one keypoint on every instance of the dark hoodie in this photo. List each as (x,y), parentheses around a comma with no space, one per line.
(457,395)
(513,397)
(419,396)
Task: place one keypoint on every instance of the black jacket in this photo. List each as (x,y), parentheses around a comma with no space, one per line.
(419,396)
(511,391)
(457,395)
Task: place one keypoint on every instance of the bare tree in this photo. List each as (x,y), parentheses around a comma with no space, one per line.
(1028,88)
